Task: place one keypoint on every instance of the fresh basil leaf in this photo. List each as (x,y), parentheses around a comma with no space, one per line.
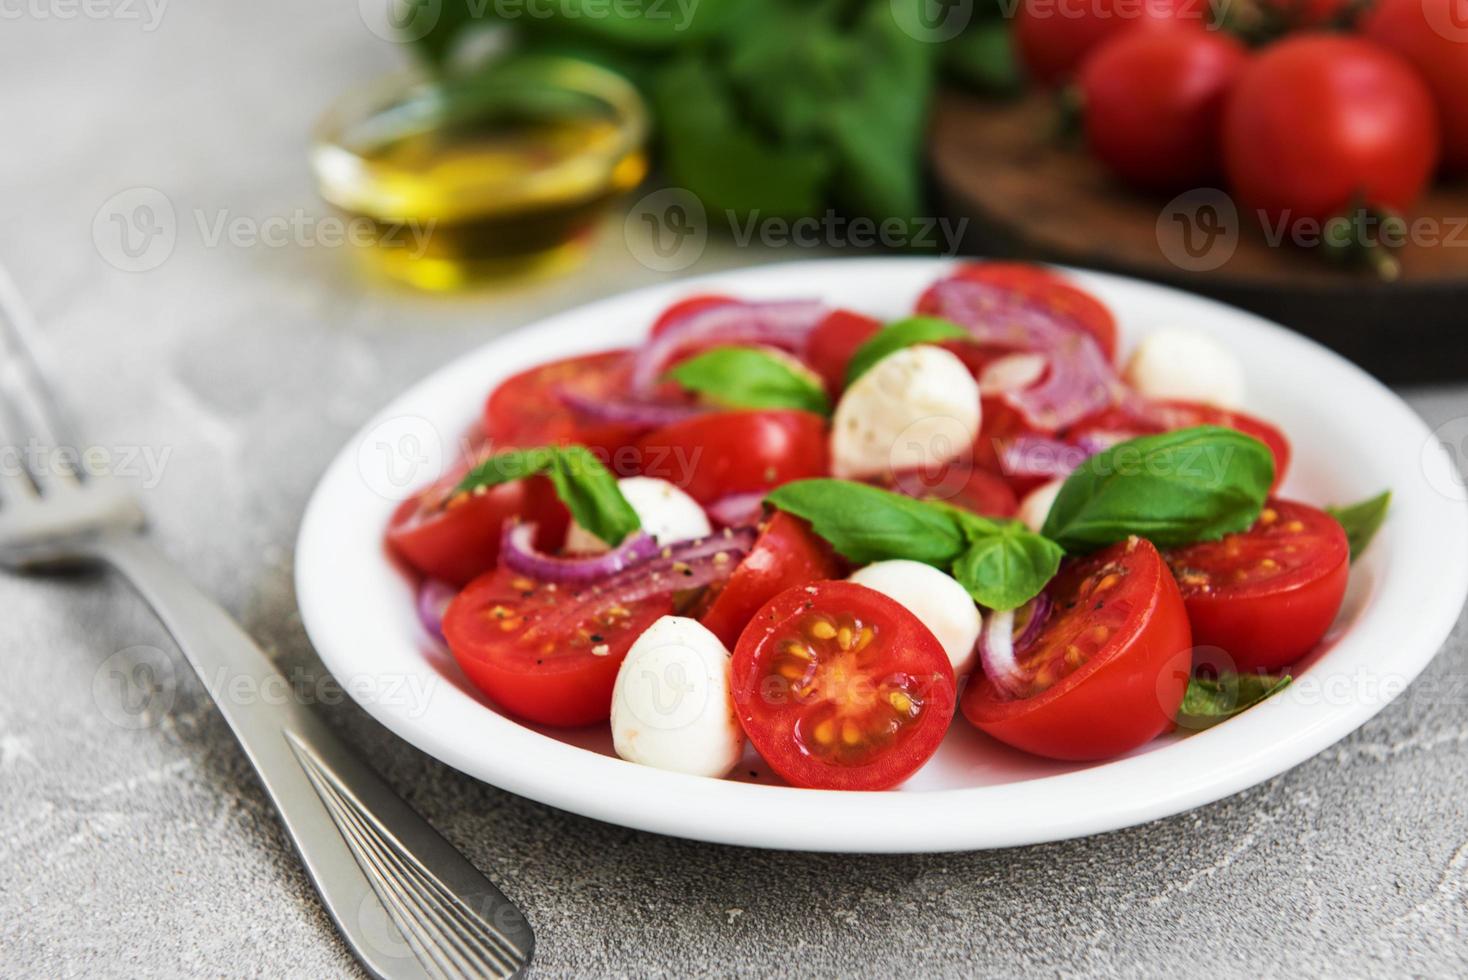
(1174,489)
(894,337)
(513,464)
(867,524)
(1008,567)
(587,488)
(743,377)
(1362,520)
(1209,701)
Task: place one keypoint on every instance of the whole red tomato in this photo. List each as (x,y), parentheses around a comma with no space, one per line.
(1053,36)
(1426,33)
(1319,121)
(1153,104)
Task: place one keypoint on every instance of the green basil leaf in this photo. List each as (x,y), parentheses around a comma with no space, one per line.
(1209,701)
(1008,567)
(1362,520)
(903,333)
(587,488)
(867,524)
(1174,489)
(743,377)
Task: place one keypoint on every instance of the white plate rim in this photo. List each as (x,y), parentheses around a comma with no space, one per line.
(337,584)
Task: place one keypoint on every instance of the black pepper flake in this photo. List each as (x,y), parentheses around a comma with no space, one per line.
(596,638)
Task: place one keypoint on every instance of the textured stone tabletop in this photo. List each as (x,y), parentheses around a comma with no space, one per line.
(240,368)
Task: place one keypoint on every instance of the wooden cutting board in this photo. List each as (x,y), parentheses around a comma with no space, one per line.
(1029,195)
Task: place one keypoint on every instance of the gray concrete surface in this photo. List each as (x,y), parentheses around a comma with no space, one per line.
(153,853)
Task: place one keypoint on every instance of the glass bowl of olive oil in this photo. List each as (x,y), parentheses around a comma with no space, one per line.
(457,180)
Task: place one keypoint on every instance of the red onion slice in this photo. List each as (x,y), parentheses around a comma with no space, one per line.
(517,551)
(626,411)
(783,325)
(1037,456)
(738,509)
(1080,382)
(434,596)
(999,648)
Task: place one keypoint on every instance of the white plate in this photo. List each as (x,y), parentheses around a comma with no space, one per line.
(1351,436)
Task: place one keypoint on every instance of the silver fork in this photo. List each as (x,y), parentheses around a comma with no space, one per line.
(407,902)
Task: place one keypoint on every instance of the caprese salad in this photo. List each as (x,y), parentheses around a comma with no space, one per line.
(802,527)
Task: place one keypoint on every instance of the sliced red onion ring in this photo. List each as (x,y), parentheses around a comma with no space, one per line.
(783,325)
(1081,381)
(1095,442)
(999,648)
(434,596)
(1030,455)
(517,551)
(737,509)
(627,411)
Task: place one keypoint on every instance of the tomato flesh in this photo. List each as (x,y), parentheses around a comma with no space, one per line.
(840,687)
(786,553)
(830,346)
(455,537)
(686,307)
(1266,596)
(1109,668)
(540,652)
(961,485)
(722,453)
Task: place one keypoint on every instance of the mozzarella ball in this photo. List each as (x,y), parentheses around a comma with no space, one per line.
(666,512)
(1187,365)
(1012,372)
(672,707)
(1037,503)
(918,406)
(936,599)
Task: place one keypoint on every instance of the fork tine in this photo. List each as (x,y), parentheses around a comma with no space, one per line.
(30,407)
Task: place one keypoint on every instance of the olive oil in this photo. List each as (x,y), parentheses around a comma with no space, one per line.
(498,176)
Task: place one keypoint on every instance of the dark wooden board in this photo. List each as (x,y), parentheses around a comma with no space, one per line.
(1027,195)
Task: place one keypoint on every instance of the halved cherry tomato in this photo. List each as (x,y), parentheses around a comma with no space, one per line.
(961,485)
(456,537)
(1046,288)
(721,453)
(1169,415)
(786,553)
(1054,38)
(539,651)
(526,409)
(1109,669)
(840,687)
(1267,595)
(830,345)
(1002,423)
(682,308)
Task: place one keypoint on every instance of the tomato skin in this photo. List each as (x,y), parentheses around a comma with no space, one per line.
(526,409)
(1124,696)
(458,538)
(682,308)
(721,453)
(772,712)
(1403,26)
(1042,286)
(1269,624)
(835,339)
(547,678)
(969,487)
(786,553)
(1153,104)
(1054,36)
(1316,122)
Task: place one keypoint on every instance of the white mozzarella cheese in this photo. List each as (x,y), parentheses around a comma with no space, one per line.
(666,512)
(1037,503)
(1185,364)
(671,706)
(936,599)
(918,406)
